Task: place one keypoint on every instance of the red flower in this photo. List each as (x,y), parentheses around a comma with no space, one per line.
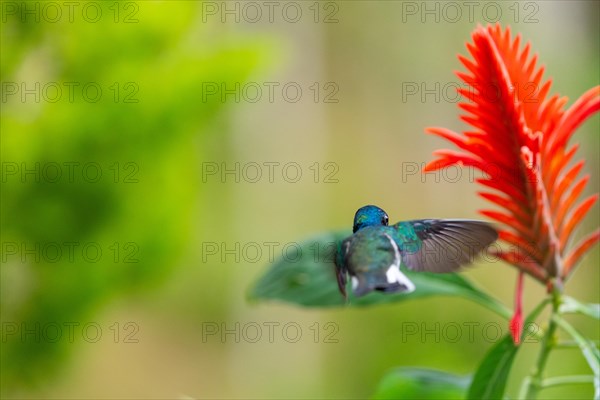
(520,141)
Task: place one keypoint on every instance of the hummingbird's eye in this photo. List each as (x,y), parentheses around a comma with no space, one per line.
(385,219)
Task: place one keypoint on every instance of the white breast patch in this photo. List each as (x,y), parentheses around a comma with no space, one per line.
(393,274)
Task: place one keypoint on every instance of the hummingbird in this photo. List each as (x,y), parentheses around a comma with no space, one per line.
(373,254)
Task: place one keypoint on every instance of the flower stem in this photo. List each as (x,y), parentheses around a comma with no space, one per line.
(534,382)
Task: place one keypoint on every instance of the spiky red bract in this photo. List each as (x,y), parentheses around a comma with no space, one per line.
(520,141)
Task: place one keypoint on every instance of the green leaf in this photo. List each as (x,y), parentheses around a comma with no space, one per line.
(490,379)
(306,277)
(421,383)
(571,305)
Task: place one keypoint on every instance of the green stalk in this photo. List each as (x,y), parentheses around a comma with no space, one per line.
(571,344)
(533,383)
(567,380)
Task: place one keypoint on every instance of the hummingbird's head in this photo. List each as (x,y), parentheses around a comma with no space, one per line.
(369,216)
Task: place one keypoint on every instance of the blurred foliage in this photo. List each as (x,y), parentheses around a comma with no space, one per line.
(142,148)
(421,383)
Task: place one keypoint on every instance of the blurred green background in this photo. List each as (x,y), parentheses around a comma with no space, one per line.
(124,246)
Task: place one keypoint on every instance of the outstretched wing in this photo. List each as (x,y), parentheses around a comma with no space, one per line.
(443,245)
